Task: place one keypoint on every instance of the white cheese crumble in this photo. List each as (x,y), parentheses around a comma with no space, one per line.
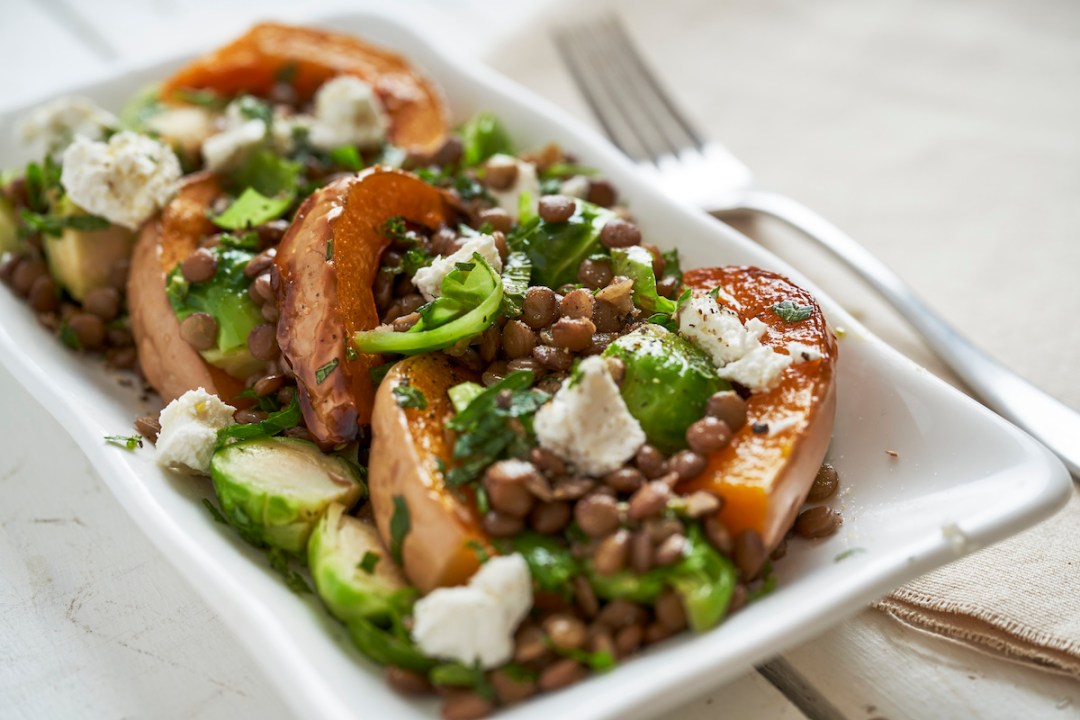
(803,353)
(476,622)
(428,280)
(186,127)
(587,422)
(576,186)
(53,126)
(189,426)
(228,149)
(526,182)
(124,180)
(347,112)
(736,349)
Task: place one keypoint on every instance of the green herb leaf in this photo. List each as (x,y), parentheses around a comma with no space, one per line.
(252,208)
(369,561)
(54,225)
(551,564)
(129,442)
(400,525)
(464,393)
(69,337)
(515,280)
(408,396)
(275,422)
(483,136)
(248,241)
(287,72)
(461,675)
(567,169)
(282,565)
(214,512)
(636,263)
(268,173)
(850,552)
(347,157)
(672,266)
(789,312)
(324,372)
(600,661)
(395,228)
(557,249)
(378,372)
(203,98)
(330,249)
(482,554)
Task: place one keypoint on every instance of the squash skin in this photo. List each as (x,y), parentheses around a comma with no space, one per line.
(406,451)
(254,62)
(168,362)
(327,263)
(764,477)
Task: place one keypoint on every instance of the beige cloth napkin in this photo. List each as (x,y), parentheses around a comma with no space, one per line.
(847,109)
(1019,599)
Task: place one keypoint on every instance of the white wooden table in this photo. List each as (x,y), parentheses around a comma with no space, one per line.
(944,137)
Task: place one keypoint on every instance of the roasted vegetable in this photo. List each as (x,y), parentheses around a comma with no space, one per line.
(305,58)
(556,249)
(171,365)
(766,471)
(274,490)
(328,261)
(666,385)
(418,515)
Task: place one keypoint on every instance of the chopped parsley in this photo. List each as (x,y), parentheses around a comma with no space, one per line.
(275,422)
(369,561)
(789,312)
(281,563)
(248,241)
(400,525)
(129,442)
(348,157)
(252,208)
(850,552)
(324,372)
(477,547)
(408,396)
(395,228)
(54,225)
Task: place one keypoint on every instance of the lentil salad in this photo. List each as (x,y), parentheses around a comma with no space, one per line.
(504,295)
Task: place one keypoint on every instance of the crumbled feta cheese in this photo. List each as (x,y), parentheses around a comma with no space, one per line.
(803,353)
(285,129)
(124,180)
(526,182)
(187,127)
(189,426)
(476,623)
(53,126)
(347,112)
(736,349)
(228,148)
(587,422)
(428,280)
(576,186)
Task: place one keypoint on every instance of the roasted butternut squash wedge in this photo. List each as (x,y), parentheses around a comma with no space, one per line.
(327,263)
(767,470)
(406,451)
(169,363)
(308,57)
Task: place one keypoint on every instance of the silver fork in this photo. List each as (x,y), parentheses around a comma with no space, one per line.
(641,119)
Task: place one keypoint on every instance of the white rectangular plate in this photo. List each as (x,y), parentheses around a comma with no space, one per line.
(963,478)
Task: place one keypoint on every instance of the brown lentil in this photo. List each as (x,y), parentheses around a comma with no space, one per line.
(500,173)
(497,218)
(594,274)
(620,613)
(518,339)
(708,435)
(550,517)
(619,292)
(494,373)
(825,484)
(269,384)
(650,500)
(553,358)
(509,688)
(408,683)
(687,464)
(598,515)
(780,550)
(718,535)
(103,302)
(500,244)
(656,632)
(529,643)
(629,639)
(148,426)
(576,304)
(500,525)
(739,596)
(490,342)
(606,317)
(449,153)
(618,233)
(625,479)
(118,274)
(574,334)
(670,551)
(598,344)
(601,192)
(26,274)
(8,264)
(262,342)
(650,461)
(526,363)
(466,705)
(199,266)
(506,483)
(269,312)
(547,461)
(670,611)
(641,552)
(444,242)
(539,308)
(120,358)
(585,596)
(556,208)
(661,528)
(248,416)
(574,488)
(119,337)
(749,554)
(817,522)
(43,295)
(702,503)
(666,287)
(260,290)
(565,631)
(89,329)
(561,674)
(612,553)
(726,405)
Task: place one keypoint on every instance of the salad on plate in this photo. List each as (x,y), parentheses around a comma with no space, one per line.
(446,382)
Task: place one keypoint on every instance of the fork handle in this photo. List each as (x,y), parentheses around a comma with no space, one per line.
(1049,421)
